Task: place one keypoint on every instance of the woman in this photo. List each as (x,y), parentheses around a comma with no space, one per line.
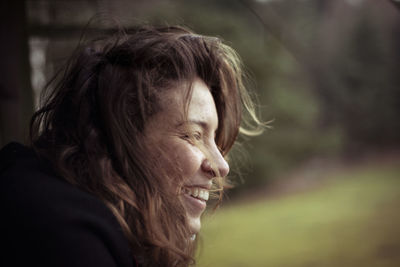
(126,150)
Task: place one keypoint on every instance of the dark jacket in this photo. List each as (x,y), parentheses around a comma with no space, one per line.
(45,221)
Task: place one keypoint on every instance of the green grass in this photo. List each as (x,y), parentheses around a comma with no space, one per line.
(352,220)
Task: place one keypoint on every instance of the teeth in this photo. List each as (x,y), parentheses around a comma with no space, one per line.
(197,192)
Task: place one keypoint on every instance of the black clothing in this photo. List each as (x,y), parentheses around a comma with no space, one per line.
(45,221)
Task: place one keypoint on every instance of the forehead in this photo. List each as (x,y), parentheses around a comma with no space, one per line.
(201,105)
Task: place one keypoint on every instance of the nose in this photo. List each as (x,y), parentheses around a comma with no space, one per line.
(216,163)
(224,167)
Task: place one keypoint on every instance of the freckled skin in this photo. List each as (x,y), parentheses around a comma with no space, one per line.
(162,129)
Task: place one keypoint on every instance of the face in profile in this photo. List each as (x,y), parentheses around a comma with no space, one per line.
(189,143)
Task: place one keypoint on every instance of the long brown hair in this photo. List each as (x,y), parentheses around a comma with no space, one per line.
(91,122)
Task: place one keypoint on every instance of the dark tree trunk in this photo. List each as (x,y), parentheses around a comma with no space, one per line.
(16,101)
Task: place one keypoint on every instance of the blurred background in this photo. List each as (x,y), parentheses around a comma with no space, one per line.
(322,188)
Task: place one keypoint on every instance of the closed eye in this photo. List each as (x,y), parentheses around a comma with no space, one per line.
(197,136)
(192,136)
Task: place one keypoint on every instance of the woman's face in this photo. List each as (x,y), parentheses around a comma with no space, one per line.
(189,144)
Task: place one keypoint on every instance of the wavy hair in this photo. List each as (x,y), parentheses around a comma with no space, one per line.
(90,126)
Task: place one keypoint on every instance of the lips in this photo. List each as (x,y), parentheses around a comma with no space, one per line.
(195,200)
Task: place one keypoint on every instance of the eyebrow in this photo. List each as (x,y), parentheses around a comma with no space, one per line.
(201,123)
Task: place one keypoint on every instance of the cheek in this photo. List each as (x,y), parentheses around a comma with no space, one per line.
(187,158)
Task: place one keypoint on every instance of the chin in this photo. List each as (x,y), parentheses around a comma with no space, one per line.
(194,224)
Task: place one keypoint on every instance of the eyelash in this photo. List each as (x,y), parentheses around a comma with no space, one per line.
(196,135)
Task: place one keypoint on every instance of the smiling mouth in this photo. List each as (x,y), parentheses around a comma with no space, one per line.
(197,192)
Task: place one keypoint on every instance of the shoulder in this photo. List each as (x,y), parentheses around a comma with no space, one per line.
(52,221)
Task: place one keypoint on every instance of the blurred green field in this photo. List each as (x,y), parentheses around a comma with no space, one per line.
(352,219)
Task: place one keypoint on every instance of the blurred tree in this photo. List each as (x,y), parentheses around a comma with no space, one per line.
(349,51)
